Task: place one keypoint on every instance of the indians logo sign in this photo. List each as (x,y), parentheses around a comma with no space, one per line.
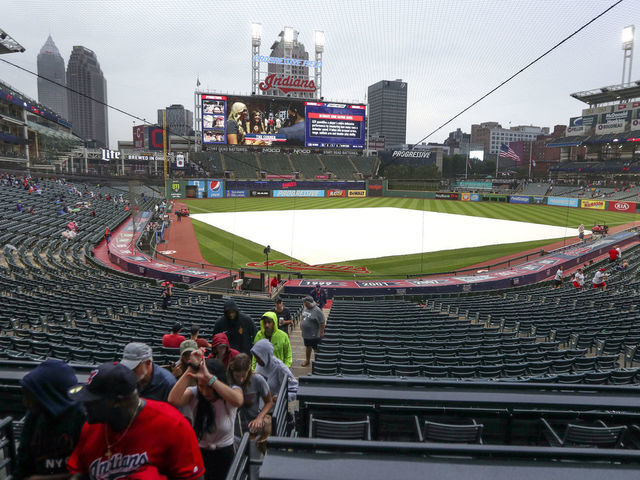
(287,84)
(300,266)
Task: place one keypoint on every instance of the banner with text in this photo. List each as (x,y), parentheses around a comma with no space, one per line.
(356,193)
(563,202)
(629,207)
(593,204)
(298,193)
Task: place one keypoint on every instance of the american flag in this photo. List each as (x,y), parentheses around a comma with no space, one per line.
(507,151)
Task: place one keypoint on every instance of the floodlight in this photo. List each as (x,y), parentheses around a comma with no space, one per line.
(256,31)
(319,39)
(288,34)
(627,35)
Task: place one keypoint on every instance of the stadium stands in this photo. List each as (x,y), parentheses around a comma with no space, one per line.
(275,163)
(536,189)
(242,164)
(339,165)
(364,165)
(308,165)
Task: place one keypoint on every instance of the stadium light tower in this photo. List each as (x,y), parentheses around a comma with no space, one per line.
(319,40)
(287,40)
(628,33)
(256,38)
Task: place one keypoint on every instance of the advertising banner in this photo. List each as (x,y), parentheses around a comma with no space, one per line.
(519,199)
(465,197)
(336,193)
(375,188)
(539,200)
(613,127)
(322,177)
(199,191)
(576,130)
(215,189)
(260,193)
(474,185)
(357,193)
(298,193)
(446,196)
(615,117)
(236,193)
(563,201)
(587,121)
(622,207)
(267,121)
(138,136)
(271,176)
(475,197)
(176,189)
(593,204)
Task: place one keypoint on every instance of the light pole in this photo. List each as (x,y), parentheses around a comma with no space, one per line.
(628,33)
(319,40)
(256,37)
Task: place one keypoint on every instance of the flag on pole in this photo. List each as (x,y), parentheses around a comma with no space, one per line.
(507,151)
(198,82)
(533,162)
(469,163)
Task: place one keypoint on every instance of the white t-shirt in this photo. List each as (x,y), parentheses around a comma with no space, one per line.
(598,278)
(225,420)
(579,278)
(558,275)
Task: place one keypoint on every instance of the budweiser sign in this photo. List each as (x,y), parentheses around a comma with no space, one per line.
(287,84)
(300,266)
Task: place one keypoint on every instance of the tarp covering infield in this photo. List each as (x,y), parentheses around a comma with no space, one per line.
(523,274)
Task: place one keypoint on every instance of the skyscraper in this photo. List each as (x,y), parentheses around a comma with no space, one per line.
(179,120)
(88,116)
(289,48)
(51,66)
(388,111)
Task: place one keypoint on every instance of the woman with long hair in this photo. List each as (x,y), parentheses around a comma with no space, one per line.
(214,405)
(236,123)
(251,417)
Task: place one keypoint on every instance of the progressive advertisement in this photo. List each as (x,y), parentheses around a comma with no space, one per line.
(298,193)
(265,121)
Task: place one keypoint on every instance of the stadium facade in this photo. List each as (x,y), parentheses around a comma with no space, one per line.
(51,66)
(89,117)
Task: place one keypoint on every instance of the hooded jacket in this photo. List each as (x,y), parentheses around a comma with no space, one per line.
(240,331)
(279,340)
(221,339)
(274,371)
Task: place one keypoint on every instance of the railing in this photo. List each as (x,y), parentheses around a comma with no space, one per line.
(7,448)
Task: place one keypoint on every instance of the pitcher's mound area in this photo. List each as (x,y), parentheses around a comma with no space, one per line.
(338,235)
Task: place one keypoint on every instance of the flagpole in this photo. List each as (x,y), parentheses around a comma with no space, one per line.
(530,155)
(466,165)
(498,159)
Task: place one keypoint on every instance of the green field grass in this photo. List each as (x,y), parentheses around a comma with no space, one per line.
(222,248)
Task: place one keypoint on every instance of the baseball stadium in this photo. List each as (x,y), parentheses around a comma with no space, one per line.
(275,285)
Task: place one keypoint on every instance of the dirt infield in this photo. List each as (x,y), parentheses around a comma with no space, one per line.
(181,240)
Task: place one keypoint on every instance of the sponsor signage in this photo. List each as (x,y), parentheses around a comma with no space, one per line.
(108,155)
(287,84)
(138,136)
(563,201)
(593,204)
(380,284)
(375,188)
(356,193)
(260,193)
(298,193)
(519,199)
(180,161)
(587,121)
(446,196)
(280,177)
(322,177)
(336,193)
(474,185)
(199,190)
(622,207)
(287,61)
(576,130)
(613,127)
(215,188)
(539,200)
(236,193)
(300,266)
(176,190)
(615,117)
(475,197)
(410,154)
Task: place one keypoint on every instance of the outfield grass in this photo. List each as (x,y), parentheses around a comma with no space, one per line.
(225,249)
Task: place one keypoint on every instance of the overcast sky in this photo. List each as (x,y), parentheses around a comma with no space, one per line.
(449,51)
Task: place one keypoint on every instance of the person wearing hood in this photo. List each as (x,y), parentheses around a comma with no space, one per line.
(52,425)
(280,340)
(238,327)
(311,326)
(221,350)
(273,370)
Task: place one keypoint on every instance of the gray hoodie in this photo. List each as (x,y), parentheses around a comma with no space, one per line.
(274,371)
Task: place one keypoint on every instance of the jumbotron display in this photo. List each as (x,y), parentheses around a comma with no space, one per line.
(277,121)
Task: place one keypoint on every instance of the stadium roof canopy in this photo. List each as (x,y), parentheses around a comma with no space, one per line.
(8,44)
(613,93)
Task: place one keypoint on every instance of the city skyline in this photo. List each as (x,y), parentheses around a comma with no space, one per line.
(450,53)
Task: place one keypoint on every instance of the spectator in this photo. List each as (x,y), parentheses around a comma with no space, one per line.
(107,235)
(273,370)
(251,417)
(194,332)
(167,293)
(624,267)
(279,339)
(599,279)
(614,254)
(221,350)
(238,327)
(53,422)
(319,296)
(181,365)
(154,382)
(284,315)
(173,340)
(578,279)
(581,232)
(312,327)
(557,280)
(125,434)
(274,283)
(214,405)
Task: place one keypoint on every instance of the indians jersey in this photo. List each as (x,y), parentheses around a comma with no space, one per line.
(159,436)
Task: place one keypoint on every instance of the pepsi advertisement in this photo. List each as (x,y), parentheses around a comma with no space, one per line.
(215,189)
(263,121)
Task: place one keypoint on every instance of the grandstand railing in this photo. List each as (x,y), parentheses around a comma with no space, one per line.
(7,448)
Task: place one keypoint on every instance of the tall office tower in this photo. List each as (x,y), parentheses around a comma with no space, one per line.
(388,111)
(51,66)
(87,108)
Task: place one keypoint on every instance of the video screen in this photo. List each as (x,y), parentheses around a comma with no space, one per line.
(275,121)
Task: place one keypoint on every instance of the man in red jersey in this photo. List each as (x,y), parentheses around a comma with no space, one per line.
(126,436)
(174,339)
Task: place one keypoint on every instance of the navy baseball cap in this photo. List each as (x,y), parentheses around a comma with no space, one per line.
(108,381)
